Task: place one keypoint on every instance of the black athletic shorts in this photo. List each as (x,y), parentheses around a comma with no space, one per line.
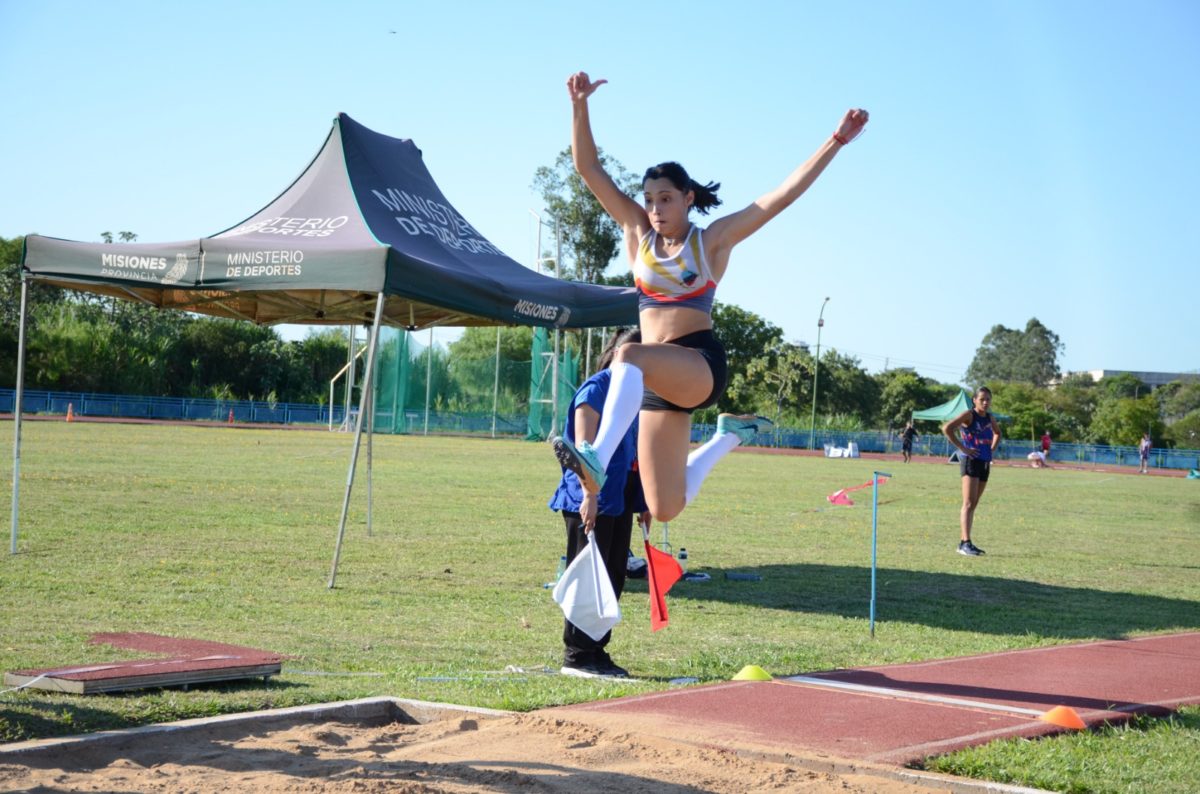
(710,348)
(974,467)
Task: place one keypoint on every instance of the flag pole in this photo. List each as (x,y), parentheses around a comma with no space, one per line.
(874,538)
(17,407)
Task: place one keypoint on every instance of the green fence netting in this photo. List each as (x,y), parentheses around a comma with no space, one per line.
(544,421)
(421,388)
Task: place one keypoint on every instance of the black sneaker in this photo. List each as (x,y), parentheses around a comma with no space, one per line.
(611,668)
(594,669)
(970,549)
(588,669)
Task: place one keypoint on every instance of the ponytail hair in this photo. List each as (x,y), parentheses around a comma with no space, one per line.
(622,336)
(705,195)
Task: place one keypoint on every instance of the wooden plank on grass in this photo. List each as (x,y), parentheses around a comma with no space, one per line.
(32,679)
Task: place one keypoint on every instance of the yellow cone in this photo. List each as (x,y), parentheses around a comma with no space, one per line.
(752,672)
(1063,717)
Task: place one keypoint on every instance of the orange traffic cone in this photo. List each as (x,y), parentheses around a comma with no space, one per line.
(1063,717)
(230,416)
(70,412)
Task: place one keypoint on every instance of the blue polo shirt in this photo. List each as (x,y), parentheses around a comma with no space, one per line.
(569,494)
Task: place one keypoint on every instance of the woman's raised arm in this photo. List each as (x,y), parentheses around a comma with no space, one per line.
(624,210)
(732,229)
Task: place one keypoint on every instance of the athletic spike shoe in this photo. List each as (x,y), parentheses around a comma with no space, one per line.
(745,427)
(582,460)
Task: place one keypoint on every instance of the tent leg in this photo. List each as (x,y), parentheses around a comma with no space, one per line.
(358,428)
(496,384)
(370,401)
(351,333)
(17,414)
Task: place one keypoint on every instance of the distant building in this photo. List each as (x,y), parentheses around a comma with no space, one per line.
(1151,379)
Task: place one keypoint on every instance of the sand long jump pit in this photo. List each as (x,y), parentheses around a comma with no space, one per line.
(395,745)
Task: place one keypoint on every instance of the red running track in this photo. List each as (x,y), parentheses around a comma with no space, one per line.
(900,714)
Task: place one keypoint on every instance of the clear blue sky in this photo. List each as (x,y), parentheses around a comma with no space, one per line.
(1024,158)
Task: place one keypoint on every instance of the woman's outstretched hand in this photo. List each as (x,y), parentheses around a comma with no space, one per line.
(580,86)
(851,125)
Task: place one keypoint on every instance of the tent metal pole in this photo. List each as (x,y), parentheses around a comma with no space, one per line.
(370,402)
(350,377)
(401,354)
(428,378)
(17,398)
(587,358)
(496,384)
(557,334)
(358,427)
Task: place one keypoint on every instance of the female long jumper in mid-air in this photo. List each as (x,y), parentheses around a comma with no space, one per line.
(680,365)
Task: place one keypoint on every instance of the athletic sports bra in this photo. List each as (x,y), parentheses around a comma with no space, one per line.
(681,280)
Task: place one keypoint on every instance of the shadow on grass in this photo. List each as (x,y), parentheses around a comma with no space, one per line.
(957,602)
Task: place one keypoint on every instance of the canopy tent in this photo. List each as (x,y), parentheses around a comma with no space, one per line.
(947,410)
(952,408)
(364,218)
(363,235)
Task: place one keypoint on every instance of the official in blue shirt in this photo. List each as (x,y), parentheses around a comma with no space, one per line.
(608,514)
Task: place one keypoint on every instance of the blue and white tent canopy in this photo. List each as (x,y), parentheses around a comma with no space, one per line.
(365,217)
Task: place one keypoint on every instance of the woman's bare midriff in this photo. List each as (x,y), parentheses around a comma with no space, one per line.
(666,324)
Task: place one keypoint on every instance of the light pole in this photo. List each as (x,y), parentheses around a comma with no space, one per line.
(812,425)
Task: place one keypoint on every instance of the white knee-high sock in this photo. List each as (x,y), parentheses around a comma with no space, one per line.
(703,458)
(621,407)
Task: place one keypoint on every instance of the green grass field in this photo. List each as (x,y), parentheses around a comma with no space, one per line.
(228,535)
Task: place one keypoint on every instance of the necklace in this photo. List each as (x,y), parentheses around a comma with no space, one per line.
(673,243)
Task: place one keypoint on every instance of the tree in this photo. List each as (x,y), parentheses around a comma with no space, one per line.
(317,357)
(473,366)
(218,356)
(774,383)
(1122,385)
(1185,432)
(1178,399)
(37,295)
(1027,409)
(1122,420)
(71,351)
(902,391)
(1006,354)
(589,236)
(844,387)
(125,237)
(745,336)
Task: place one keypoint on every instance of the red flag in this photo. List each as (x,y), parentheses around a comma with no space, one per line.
(840,497)
(662,571)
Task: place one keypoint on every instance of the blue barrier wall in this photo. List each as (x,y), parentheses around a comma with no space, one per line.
(254,411)
(168,408)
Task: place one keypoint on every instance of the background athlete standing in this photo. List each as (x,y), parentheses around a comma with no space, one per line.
(979,437)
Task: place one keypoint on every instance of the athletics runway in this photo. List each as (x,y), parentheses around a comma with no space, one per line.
(900,714)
